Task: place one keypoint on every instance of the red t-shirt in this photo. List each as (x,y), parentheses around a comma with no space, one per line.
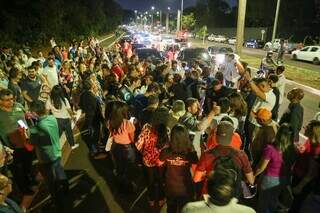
(207,159)
(309,150)
(117,70)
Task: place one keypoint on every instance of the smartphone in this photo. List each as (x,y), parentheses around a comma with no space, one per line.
(22,124)
(132,119)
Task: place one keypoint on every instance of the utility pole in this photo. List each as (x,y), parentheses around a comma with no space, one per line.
(178,20)
(161,18)
(240,25)
(275,21)
(181,15)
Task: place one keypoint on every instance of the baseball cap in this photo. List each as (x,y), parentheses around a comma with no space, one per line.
(224,132)
(264,114)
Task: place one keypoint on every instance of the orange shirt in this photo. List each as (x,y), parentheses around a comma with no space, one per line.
(236,141)
(125,134)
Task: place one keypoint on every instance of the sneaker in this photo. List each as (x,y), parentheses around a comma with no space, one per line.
(75,146)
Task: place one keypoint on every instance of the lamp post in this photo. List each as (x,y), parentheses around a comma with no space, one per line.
(135,16)
(152,9)
(167,19)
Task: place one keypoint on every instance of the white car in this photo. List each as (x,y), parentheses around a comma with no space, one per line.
(220,38)
(308,53)
(232,41)
(167,39)
(211,37)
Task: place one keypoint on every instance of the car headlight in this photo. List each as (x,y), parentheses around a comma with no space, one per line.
(220,59)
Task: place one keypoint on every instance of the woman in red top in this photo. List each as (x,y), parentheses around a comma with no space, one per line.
(122,130)
(152,139)
(306,167)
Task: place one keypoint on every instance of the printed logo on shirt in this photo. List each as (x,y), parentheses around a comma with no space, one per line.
(178,161)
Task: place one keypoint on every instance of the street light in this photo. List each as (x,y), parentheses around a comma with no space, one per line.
(152,8)
(135,16)
(167,19)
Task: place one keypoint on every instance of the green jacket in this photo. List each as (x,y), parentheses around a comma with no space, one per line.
(45,137)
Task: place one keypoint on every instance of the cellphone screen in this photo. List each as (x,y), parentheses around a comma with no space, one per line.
(22,124)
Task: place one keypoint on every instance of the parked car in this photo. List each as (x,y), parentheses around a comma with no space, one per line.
(167,39)
(308,53)
(138,46)
(191,54)
(211,37)
(220,38)
(232,40)
(254,43)
(149,53)
(218,54)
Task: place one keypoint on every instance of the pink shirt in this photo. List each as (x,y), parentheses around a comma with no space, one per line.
(275,165)
(125,135)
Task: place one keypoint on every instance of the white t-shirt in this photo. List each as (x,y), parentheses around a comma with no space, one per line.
(260,103)
(281,84)
(59,113)
(206,206)
(52,75)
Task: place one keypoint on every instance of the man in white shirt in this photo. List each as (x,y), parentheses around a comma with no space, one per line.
(229,70)
(281,84)
(265,99)
(51,74)
(221,198)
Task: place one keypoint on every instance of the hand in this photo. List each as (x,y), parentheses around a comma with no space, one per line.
(247,76)
(216,109)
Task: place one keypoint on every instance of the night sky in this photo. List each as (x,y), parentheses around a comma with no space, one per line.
(143,5)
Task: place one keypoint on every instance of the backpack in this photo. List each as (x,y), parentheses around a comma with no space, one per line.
(226,162)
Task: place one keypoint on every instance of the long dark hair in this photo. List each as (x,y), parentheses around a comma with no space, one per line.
(117,112)
(57,97)
(179,141)
(159,125)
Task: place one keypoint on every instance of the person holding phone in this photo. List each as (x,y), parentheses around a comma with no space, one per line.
(13,136)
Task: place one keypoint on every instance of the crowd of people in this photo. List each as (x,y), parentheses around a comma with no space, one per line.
(206,138)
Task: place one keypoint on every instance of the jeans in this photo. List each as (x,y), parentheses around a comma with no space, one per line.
(155,183)
(91,136)
(64,124)
(269,191)
(125,157)
(56,180)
